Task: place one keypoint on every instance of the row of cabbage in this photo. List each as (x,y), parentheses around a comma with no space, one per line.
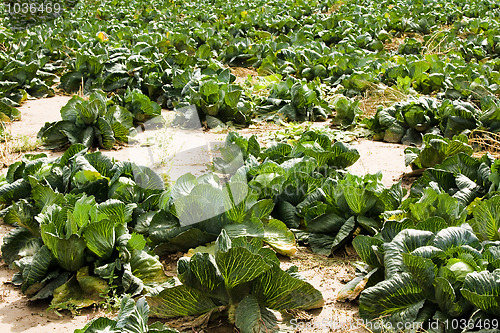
(88,225)
(176,53)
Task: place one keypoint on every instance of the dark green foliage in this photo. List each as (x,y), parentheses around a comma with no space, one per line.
(97,121)
(241,277)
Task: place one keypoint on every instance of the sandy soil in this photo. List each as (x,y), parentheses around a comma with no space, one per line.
(176,152)
(35,113)
(384,157)
(172,151)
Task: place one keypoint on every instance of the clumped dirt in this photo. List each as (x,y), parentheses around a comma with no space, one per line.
(242,73)
(328,274)
(178,152)
(393,44)
(379,95)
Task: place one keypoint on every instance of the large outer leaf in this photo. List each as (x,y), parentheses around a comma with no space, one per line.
(37,269)
(56,278)
(183,186)
(405,242)
(391,228)
(232,96)
(483,291)
(200,272)
(147,268)
(98,325)
(71,81)
(17,241)
(261,209)
(105,135)
(486,221)
(432,224)
(321,243)
(287,213)
(461,163)
(315,151)
(116,211)
(133,318)
(97,188)
(492,255)
(399,296)
(344,155)
(344,235)
(69,111)
(254,245)
(115,80)
(455,237)
(71,152)
(80,291)
(450,303)
(102,163)
(22,214)
(9,113)
(277,235)
(15,191)
(15,171)
(120,115)
(364,247)
(273,232)
(44,196)
(144,176)
(278,290)
(329,223)
(171,241)
(352,289)
(179,301)
(253,318)
(203,203)
(100,238)
(360,200)
(276,152)
(423,271)
(239,265)
(120,132)
(392,197)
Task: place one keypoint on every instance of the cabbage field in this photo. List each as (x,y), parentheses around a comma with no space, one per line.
(291,84)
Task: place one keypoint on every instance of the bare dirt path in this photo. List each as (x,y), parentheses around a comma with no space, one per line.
(377,156)
(35,113)
(177,152)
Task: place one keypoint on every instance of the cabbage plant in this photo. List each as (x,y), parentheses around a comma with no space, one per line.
(240,278)
(132,318)
(429,276)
